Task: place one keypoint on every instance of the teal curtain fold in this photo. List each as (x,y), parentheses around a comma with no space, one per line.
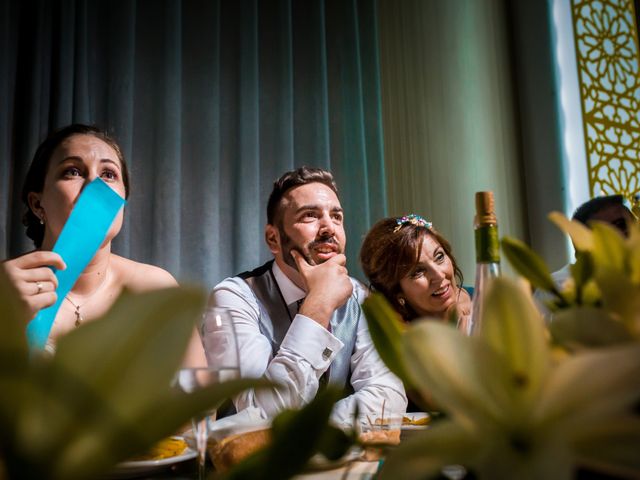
(211,101)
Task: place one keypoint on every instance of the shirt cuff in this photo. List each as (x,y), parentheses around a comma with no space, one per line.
(308,339)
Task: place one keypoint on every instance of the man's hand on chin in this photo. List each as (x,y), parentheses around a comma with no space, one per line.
(328,286)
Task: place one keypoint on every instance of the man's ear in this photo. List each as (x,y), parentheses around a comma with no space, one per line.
(272,237)
(36,207)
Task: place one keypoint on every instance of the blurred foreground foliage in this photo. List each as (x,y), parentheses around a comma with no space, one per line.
(515,409)
(106,394)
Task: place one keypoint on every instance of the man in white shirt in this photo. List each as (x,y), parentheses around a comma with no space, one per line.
(298,317)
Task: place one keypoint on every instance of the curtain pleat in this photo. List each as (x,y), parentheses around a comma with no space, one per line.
(210,101)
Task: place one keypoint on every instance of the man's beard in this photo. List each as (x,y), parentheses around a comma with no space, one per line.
(287,245)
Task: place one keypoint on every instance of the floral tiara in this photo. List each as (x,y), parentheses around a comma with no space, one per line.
(412,219)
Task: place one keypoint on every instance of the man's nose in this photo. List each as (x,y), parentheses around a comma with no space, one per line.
(326,225)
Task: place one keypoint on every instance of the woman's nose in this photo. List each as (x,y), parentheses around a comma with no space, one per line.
(91,176)
(436,273)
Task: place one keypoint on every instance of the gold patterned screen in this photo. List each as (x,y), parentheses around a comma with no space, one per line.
(606,38)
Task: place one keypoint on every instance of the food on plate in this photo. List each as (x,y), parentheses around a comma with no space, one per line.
(234,448)
(416,421)
(386,437)
(165,448)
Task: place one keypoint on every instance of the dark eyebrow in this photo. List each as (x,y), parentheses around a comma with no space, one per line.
(302,208)
(108,160)
(73,158)
(79,159)
(316,207)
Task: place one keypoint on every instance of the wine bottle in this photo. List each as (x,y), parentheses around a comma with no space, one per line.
(487,256)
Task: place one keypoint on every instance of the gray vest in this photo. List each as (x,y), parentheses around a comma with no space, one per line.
(275,319)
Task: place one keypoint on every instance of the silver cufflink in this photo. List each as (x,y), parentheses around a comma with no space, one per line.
(326,354)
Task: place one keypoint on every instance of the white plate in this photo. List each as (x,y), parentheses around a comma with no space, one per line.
(415,416)
(139,467)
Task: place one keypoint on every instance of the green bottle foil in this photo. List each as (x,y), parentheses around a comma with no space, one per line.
(487,244)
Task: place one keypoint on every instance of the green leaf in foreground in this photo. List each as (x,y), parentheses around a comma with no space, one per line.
(528,264)
(511,412)
(13,361)
(386,329)
(587,327)
(581,236)
(581,272)
(107,392)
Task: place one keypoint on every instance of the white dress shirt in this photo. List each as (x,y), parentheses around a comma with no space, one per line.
(306,352)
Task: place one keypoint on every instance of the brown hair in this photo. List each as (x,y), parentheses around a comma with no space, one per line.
(300,176)
(34,181)
(387,256)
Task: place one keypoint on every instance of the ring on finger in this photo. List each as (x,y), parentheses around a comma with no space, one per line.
(39,285)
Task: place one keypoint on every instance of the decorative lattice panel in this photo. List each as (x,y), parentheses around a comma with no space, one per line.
(606,37)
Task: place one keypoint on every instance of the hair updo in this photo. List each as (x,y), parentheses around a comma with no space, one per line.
(389,254)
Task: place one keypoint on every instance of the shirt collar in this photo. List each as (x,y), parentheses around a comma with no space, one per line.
(290,291)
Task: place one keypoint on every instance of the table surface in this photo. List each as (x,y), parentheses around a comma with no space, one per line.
(355,470)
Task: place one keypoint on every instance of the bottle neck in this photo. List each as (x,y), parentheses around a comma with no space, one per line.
(487,244)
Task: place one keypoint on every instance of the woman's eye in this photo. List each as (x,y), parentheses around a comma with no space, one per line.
(440,257)
(72,172)
(417,273)
(109,175)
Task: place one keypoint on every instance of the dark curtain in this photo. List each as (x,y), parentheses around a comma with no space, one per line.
(210,101)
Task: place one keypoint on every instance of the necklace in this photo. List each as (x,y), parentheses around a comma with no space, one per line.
(79,317)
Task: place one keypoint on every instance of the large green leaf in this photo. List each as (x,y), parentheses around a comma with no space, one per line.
(520,451)
(528,264)
(608,248)
(515,329)
(121,361)
(590,388)
(424,456)
(107,393)
(466,377)
(621,297)
(13,359)
(386,329)
(582,273)
(13,344)
(140,330)
(588,327)
(633,244)
(96,447)
(611,448)
(581,236)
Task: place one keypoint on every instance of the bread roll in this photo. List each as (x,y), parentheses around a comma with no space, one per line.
(234,448)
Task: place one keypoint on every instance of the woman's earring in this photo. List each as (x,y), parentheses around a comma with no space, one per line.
(401,301)
(41,218)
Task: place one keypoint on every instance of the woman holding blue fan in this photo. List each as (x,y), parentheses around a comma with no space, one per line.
(63,165)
